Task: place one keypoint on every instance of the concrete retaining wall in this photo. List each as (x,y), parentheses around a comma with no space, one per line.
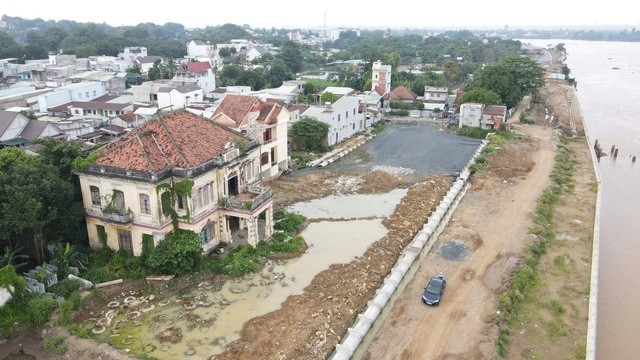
(421,242)
(595,256)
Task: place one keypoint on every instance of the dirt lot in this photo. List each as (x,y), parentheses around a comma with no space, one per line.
(492,220)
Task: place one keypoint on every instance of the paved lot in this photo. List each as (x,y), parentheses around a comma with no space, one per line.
(420,147)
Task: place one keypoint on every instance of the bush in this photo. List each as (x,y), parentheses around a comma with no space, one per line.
(398,112)
(178,254)
(76,300)
(290,223)
(40,309)
(14,311)
(473,132)
(65,288)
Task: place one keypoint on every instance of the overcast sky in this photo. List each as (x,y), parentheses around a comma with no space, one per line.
(458,14)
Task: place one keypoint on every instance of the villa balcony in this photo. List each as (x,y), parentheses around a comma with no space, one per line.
(118,218)
(254,197)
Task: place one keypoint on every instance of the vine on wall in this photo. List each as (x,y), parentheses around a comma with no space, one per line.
(169,193)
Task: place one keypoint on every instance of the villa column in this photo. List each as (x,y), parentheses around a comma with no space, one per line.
(252,231)
(268,228)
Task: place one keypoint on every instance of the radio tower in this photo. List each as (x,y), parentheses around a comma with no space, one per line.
(324,28)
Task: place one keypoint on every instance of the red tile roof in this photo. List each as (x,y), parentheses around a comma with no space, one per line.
(380,90)
(402,93)
(496,110)
(180,140)
(198,67)
(238,107)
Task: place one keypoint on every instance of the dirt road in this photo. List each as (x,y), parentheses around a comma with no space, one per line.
(492,220)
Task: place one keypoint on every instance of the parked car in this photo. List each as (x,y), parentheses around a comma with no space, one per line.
(435,288)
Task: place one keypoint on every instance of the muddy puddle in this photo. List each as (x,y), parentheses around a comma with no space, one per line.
(204,321)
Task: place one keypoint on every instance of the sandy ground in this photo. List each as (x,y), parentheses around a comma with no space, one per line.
(493,220)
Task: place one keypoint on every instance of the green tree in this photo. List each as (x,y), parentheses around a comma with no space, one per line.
(527,73)
(34,201)
(36,46)
(499,79)
(178,254)
(482,96)
(9,48)
(291,54)
(327,97)
(309,133)
(278,72)
(155,72)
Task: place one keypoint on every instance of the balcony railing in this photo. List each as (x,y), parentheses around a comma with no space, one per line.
(125,218)
(252,199)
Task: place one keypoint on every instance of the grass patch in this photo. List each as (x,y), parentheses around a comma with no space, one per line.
(525,118)
(55,345)
(301,158)
(378,127)
(394,322)
(245,259)
(511,302)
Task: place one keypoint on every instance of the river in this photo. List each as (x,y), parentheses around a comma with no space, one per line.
(608,79)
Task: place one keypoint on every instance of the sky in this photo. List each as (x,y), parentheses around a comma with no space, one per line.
(456,14)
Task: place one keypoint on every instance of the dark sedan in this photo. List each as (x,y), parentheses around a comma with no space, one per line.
(434,290)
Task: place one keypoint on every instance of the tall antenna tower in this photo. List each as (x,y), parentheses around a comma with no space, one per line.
(324,28)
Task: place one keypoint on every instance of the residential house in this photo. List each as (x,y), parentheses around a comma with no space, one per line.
(199,73)
(343,117)
(482,116)
(84,91)
(16,129)
(179,97)
(129,120)
(265,122)
(402,94)
(126,197)
(145,63)
(287,92)
(339,90)
(131,53)
(99,110)
(200,49)
(381,76)
(436,98)
(256,52)
(295,35)
(111,82)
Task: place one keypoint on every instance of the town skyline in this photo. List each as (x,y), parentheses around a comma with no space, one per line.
(490,14)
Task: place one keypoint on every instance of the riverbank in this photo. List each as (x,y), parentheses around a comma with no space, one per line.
(494,222)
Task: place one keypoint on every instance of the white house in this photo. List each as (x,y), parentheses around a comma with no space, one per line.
(146,62)
(381,77)
(84,91)
(482,116)
(343,117)
(173,98)
(200,49)
(433,93)
(265,122)
(256,52)
(199,73)
(133,52)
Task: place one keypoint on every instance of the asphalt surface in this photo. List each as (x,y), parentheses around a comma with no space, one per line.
(418,146)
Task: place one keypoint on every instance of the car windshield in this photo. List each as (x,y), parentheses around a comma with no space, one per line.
(434,287)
